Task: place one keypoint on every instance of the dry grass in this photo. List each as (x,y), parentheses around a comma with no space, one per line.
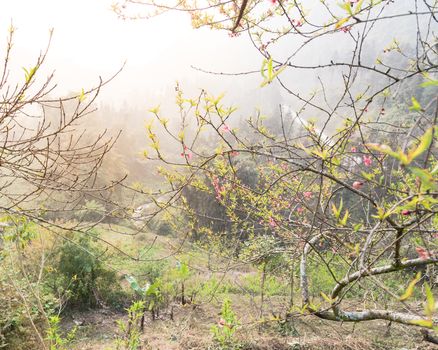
(191,330)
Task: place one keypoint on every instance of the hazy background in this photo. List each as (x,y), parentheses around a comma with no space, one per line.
(90,41)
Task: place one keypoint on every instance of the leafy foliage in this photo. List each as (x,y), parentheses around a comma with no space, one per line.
(79,272)
(131,330)
(223,332)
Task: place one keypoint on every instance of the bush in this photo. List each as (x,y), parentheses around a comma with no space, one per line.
(223,332)
(24,303)
(54,337)
(152,270)
(79,273)
(12,313)
(131,330)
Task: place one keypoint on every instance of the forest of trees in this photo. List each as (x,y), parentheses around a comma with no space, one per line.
(218,226)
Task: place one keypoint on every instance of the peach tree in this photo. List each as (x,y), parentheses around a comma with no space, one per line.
(348,178)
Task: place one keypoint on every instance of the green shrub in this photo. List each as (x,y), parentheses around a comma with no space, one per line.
(224,332)
(79,273)
(12,313)
(24,303)
(54,336)
(152,270)
(178,278)
(131,330)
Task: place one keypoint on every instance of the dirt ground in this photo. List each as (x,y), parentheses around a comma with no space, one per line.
(190,329)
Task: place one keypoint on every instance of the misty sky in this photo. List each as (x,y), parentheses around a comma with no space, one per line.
(90,41)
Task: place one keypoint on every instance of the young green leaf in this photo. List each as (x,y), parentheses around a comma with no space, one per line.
(415,105)
(267,65)
(29,74)
(347,7)
(341,22)
(327,298)
(155,110)
(343,221)
(424,144)
(430,301)
(410,289)
(336,211)
(429,81)
(358,7)
(82,96)
(385,149)
(427,179)
(423,323)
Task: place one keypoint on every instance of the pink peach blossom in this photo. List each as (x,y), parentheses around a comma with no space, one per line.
(225,128)
(272,222)
(422,253)
(357,185)
(307,194)
(367,160)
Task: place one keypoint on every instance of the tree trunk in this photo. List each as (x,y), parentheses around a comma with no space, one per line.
(262,289)
(291,285)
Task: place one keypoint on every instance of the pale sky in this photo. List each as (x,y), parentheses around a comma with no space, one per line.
(90,41)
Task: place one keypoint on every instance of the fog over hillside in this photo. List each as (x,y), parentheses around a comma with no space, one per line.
(90,41)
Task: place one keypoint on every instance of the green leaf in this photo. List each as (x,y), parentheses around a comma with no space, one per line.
(430,304)
(341,22)
(82,96)
(262,70)
(321,154)
(406,159)
(327,298)
(347,7)
(410,290)
(426,178)
(368,176)
(424,144)
(155,109)
(415,105)
(336,211)
(358,7)
(385,149)
(429,81)
(270,69)
(382,214)
(343,221)
(357,227)
(181,135)
(29,74)
(423,323)
(267,65)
